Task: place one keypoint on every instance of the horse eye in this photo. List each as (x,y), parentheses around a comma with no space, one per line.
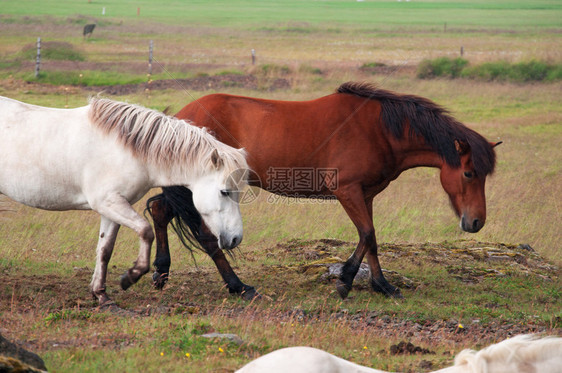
(468,175)
(224,193)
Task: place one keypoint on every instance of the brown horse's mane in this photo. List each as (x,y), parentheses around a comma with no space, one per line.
(428,120)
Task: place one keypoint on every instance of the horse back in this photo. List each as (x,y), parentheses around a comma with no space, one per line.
(51,158)
(336,131)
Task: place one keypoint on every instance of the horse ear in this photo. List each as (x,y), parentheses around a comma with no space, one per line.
(462,147)
(166,111)
(216,159)
(494,144)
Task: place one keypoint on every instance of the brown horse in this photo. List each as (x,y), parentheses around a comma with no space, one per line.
(349,145)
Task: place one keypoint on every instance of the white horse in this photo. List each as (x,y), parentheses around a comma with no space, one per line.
(303,360)
(105,157)
(523,353)
(520,354)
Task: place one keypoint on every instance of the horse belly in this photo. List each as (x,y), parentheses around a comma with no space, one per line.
(35,178)
(35,166)
(35,189)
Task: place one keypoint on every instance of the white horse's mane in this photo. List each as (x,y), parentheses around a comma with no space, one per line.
(522,351)
(162,139)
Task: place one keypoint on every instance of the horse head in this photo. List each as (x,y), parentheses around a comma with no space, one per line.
(216,197)
(466,189)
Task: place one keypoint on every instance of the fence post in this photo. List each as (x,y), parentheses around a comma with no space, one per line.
(38,59)
(462,50)
(253,56)
(150,47)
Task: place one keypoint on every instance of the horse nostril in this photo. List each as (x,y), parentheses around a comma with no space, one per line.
(476,225)
(235,242)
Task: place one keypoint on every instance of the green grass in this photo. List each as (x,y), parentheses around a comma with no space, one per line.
(86,78)
(61,51)
(47,258)
(299,308)
(532,71)
(299,16)
(441,67)
(517,72)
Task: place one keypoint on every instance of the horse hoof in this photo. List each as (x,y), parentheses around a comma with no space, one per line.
(159,280)
(108,305)
(250,294)
(343,289)
(394,293)
(386,289)
(126,281)
(104,302)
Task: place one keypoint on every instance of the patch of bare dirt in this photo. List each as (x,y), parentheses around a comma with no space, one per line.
(408,348)
(131,67)
(203,83)
(462,259)
(216,82)
(194,292)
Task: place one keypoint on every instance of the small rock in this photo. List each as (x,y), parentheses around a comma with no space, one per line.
(525,247)
(231,337)
(18,353)
(334,271)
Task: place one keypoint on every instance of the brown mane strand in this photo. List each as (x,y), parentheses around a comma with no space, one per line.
(428,120)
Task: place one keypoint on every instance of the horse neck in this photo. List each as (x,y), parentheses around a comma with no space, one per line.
(411,153)
(163,176)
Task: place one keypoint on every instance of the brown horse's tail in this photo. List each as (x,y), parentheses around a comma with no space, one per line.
(186,220)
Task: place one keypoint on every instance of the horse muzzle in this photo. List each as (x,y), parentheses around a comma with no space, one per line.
(229,243)
(471,225)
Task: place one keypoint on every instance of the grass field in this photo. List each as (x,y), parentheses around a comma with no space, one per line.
(482,281)
(368,14)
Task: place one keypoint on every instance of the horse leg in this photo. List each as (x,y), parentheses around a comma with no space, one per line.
(106,242)
(117,209)
(233,283)
(353,202)
(378,282)
(359,208)
(161,216)
(162,213)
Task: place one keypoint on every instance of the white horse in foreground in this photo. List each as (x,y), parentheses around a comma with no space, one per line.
(520,354)
(105,157)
